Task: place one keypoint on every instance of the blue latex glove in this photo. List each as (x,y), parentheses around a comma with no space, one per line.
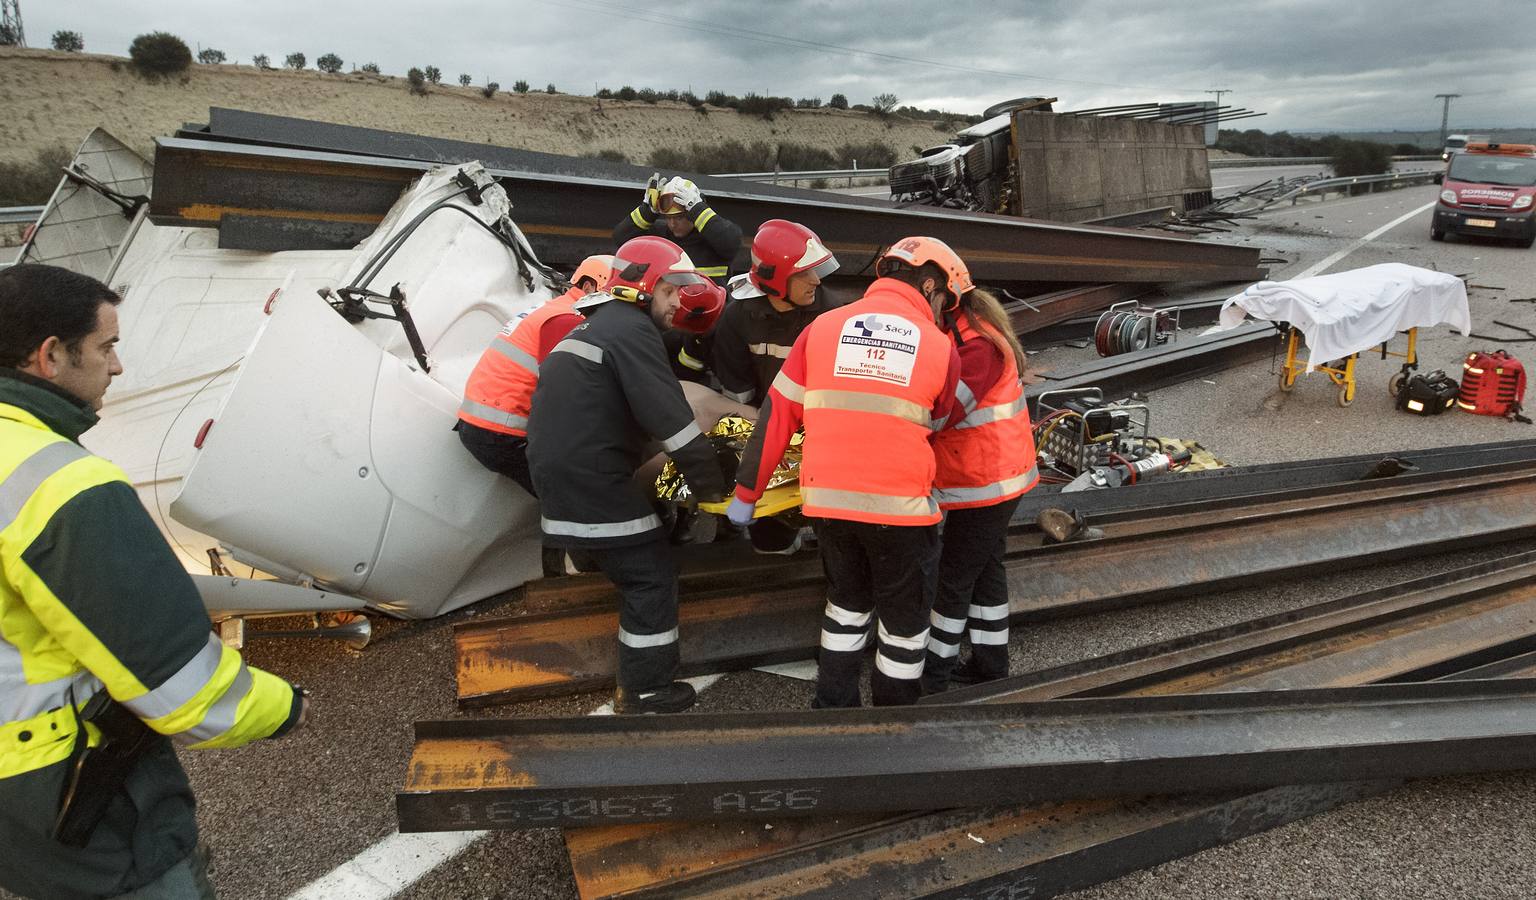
(739,512)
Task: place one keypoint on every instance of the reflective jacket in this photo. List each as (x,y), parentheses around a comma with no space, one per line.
(91,599)
(499,392)
(986,455)
(606,397)
(871,381)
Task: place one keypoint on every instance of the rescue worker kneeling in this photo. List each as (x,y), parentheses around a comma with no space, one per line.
(493,418)
(604,392)
(871,382)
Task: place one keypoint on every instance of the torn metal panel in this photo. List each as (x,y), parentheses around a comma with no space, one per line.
(93,210)
(514,774)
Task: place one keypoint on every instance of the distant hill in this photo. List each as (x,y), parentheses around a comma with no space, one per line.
(52,100)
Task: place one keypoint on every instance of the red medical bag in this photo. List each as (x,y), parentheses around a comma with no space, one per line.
(1492,384)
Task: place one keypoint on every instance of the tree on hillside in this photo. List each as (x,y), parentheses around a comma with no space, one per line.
(329,63)
(210,57)
(68,41)
(416,80)
(7,36)
(295,61)
(372,68)
(434,74)
(490,89)
(464,80)
(884,103)
(838,101)
(261,61)
(550,88)
(520,86)
(159,54)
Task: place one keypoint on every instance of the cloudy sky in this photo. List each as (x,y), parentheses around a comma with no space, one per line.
(1309,64)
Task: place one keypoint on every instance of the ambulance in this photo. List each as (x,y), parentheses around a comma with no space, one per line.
(1488,191)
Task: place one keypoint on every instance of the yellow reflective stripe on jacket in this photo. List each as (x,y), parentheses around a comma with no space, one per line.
(859,401)
(862,501)
(703,220)
(38,510)
(40,741)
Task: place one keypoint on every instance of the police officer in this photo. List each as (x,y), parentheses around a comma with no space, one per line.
(604,393)
(871,381)
(101,623)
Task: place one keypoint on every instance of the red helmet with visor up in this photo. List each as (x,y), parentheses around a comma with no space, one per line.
(782,249)
(646,261)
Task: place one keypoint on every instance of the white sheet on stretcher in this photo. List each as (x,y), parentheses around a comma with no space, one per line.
(1349,312)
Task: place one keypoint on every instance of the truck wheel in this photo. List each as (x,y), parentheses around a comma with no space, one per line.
(1436,234)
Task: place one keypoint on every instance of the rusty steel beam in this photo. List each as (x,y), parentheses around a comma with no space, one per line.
(1054,848)
(566,218)
(536,773)
(1046,310)
(1144,556)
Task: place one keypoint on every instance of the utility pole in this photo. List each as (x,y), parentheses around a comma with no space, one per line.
(1213,128)
(10,22)
(1445,113)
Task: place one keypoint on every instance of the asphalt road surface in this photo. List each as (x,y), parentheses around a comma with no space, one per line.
(314,813)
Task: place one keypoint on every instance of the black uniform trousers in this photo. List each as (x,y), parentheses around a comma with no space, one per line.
(646,576)
(972,595)
(879,573)
(505,454)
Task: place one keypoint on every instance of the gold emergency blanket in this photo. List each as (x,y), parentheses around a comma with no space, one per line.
(729,438)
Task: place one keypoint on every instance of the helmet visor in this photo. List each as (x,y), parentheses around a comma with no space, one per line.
(824,268)
(683,279)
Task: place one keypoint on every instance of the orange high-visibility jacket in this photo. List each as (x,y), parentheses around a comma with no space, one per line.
(499,392)
(989,455)
(871,381)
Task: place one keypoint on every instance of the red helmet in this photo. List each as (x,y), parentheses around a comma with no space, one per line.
(698,307)
(915,251)
(646,261)
(781,249)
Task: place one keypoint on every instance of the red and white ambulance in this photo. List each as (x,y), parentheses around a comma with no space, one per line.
(1489,191)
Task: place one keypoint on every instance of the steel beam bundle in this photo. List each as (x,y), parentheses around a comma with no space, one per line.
(1143,556)
(272,183)
(1447,625)
(539,773)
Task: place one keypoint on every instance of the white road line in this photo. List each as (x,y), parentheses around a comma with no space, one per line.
(1330,260)
(398,861)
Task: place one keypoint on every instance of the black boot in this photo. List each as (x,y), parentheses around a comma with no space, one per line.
(671,698)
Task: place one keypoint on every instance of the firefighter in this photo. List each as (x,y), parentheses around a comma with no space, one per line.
(779,298)
(986,462)
(604,393)
(675,209)
(493,419)
(101,624)
(871,382)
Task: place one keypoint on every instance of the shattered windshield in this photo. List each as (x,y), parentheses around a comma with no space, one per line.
(1510,171)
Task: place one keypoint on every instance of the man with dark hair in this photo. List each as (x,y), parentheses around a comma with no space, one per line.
(106,654)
